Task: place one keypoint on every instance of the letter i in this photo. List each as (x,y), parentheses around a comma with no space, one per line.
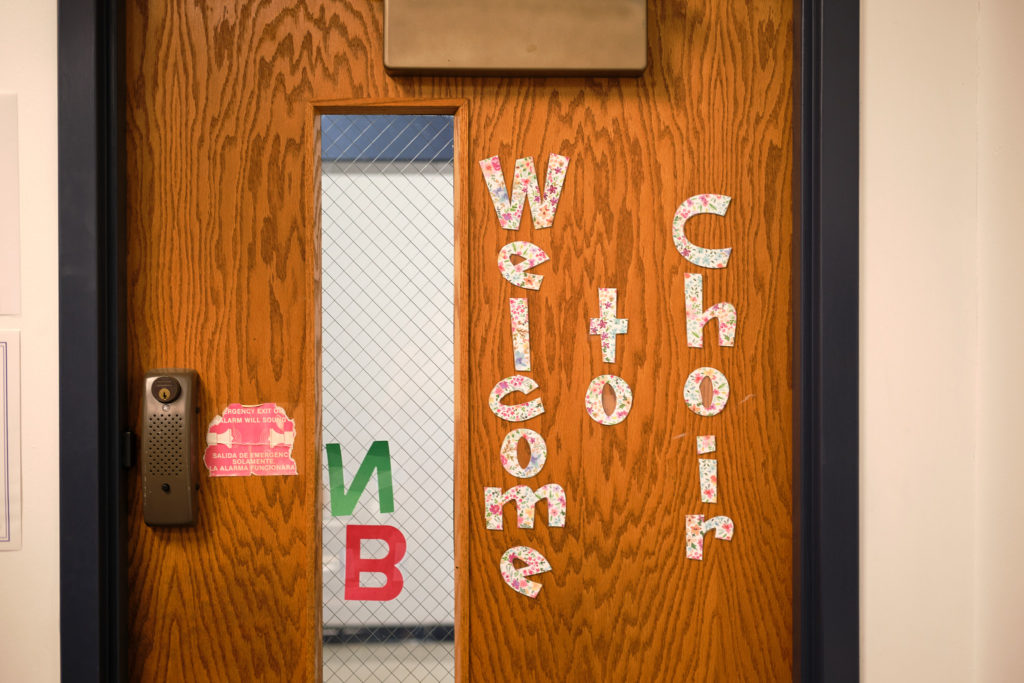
(708,470)
(519,312)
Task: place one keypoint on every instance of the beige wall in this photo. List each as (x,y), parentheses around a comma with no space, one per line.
(29,631)
(942,310)
(998,545)
(919,293)
(942,313)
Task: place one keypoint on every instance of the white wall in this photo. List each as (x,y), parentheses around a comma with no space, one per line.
(29,628)
(999,540)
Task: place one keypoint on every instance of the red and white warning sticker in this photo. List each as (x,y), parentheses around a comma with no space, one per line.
(250,440)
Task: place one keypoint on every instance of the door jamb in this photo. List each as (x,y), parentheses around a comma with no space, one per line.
(826,487)
(93,417)
(92,402)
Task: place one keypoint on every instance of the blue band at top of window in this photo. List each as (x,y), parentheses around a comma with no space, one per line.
(387,137)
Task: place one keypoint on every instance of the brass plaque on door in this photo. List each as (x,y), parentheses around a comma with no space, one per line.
(532,37)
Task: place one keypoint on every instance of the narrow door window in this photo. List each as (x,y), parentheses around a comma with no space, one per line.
(388,384)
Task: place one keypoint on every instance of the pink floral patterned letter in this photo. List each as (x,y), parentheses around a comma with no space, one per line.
(516,273)
(516,578)
(517,413)
(526,501)
(699,256)
(623,400)
(525,187)
(697,318)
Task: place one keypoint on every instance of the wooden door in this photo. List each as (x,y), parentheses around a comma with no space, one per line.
(223,266)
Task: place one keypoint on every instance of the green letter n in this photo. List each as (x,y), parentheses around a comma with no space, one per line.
(377,458)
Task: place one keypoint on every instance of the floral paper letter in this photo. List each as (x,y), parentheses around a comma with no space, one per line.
(525,187)
(699,256)
(595,404)
(517,413)
(516,272)
(697,318)
(691,391)
(510,453)
(516,578)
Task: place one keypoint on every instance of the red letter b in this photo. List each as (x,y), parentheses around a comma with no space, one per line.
(355,564)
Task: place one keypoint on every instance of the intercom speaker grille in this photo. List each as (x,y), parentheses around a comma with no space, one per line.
(165,434)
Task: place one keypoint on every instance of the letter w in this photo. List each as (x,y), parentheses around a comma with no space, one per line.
(377,458)
(525,187)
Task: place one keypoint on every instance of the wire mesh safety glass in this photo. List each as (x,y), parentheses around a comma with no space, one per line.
(388,375)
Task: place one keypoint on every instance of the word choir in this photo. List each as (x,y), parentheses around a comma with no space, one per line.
(706,390)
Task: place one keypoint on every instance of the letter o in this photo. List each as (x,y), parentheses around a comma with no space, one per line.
(510,453)
(691,391)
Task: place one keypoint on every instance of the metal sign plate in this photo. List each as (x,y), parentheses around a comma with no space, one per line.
(529,37)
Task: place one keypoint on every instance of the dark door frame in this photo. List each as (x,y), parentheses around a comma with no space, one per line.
(95,448)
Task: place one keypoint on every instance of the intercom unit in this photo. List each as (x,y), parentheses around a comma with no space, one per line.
(170,449)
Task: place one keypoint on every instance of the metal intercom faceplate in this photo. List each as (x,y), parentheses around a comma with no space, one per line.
(170,468)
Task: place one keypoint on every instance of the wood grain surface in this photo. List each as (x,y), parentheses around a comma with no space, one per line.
(223,261)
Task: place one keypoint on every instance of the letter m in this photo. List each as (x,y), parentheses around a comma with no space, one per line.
(377,458)
(526,500)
